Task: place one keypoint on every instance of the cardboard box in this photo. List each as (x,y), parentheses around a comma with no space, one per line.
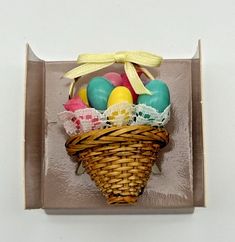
(50,179)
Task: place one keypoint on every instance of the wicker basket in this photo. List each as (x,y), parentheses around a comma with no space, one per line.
(119,159)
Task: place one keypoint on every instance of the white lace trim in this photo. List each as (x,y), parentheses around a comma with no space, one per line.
(85,120)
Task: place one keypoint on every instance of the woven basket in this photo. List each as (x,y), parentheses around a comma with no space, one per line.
(119,159)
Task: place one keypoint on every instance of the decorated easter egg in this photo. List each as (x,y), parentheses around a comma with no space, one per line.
(160,97)
(114,78)
(82,93)
(118,95)
(74,104)
(98,91)
(126,83)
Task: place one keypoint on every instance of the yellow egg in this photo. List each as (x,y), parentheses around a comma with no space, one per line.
(118,95)
(120,106)
(82,93)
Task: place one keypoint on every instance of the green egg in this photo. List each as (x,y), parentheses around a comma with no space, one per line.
(160,97)
(98,91)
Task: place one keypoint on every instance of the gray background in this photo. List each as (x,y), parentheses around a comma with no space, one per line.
(58,30)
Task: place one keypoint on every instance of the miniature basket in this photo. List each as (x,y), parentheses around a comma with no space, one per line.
(119,159)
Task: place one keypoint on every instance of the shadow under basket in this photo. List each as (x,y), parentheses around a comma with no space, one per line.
(119,159)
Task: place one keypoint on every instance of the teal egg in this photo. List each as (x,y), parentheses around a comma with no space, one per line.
(98,91)
(160,97)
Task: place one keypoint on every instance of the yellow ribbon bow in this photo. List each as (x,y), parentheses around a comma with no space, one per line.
(94,62)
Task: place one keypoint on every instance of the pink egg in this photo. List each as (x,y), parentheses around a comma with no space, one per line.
(114,78)
(126,83)
(74,104)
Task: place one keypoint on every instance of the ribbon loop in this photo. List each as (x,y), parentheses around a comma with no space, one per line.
(89,63)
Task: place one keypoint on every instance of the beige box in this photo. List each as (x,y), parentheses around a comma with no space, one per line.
(50,179)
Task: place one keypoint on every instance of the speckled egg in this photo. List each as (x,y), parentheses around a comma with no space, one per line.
(98,91)
(160,97)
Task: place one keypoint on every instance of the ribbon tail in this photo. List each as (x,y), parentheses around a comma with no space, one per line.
(134,79)
(86,69)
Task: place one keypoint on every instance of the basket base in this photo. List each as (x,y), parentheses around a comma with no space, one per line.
(119,159)
(121,199)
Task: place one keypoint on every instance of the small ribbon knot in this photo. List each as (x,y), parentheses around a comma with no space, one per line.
(120,57)
(89,63)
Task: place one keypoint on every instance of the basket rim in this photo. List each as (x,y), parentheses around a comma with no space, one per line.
(117,134)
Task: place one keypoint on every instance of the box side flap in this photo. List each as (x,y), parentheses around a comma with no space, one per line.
(197,131)
(33,128)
